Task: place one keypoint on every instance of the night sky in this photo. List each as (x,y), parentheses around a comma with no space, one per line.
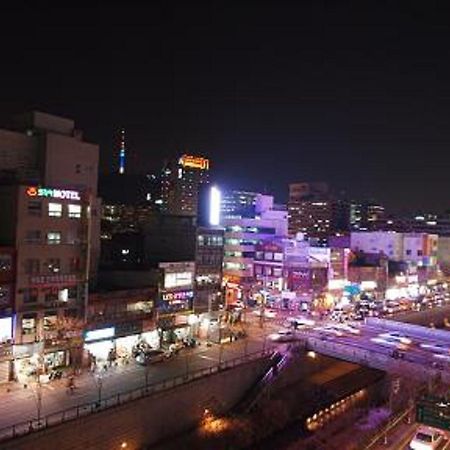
(356,94)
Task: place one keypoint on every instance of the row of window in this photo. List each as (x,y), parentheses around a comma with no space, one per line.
(268,271)
(34,266)
(234,241)
(209,260)
(248,229)
(240,254)
(54,209)
(29,321)
(419,252)
(269,256)
(51,238)
(210,240)
(51,295)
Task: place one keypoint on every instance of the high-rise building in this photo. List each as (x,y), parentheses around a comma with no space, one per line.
(181,181)
(365,216)
(310,210)
(49,188)
(238,204)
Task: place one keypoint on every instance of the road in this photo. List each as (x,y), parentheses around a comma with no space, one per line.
(400,438)
(20,404)
(411,353)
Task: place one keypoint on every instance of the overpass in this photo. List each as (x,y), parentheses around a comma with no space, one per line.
(416,362)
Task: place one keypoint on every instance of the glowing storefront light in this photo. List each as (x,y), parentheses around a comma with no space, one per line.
(5,329)
(96,335)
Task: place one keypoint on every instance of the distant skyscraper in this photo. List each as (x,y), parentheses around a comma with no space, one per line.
(122,152)
(181,181)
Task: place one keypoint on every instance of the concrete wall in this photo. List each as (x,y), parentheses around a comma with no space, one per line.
(144,422)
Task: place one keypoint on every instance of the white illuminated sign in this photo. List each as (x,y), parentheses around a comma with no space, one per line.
(5,329)
(62,194)
(96,335)
(214,206)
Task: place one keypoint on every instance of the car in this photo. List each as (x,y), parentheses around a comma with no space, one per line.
(442,357)
(283,336)
(151,357)
(300,322)
(426,439)
(439,348)
(396,336)
(330,329)
(386,342)
(348,328)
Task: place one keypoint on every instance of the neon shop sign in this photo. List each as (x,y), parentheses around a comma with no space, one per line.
(62,194)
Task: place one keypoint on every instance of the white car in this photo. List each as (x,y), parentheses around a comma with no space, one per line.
(426,439)
(396,336)
(386,342)
(283,336)
(438,348)
(347,328)
(442,357)
(329,329)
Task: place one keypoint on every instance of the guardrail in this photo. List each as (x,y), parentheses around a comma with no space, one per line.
(377,359)
(82,410)
(410,329)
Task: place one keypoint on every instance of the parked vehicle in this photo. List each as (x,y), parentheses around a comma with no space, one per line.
(151,357)
(426,439)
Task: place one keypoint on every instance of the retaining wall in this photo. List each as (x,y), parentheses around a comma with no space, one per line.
(149,420)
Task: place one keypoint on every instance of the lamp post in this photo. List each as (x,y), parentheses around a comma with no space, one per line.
(99,382)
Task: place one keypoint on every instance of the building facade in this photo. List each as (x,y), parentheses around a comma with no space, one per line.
(242,235)
(49,185)
(208,269)
(181,181)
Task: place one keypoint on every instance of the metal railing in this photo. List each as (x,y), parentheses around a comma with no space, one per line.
(85,409)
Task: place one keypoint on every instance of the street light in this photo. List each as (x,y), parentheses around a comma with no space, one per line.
(98,378)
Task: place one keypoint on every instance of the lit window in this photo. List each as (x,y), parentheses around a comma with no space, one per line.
(74,211)
(29,324)
(53,237)
(55,209)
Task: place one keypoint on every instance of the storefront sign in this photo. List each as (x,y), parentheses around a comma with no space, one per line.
(54,279)
(62,194)
(177,296)
(97,335)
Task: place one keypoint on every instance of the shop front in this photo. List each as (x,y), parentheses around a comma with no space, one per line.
(28,361)
(99,343)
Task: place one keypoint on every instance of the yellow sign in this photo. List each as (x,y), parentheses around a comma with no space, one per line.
(194,162)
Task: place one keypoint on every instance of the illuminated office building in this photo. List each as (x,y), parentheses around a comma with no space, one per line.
(181,181)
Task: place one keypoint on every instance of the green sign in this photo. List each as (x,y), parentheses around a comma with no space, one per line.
(434,412)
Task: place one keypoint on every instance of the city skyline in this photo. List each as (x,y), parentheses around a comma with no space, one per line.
(353,95)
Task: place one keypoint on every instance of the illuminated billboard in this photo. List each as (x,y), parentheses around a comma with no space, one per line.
(214,206)
(97,335)
(194,162)
(62,194)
